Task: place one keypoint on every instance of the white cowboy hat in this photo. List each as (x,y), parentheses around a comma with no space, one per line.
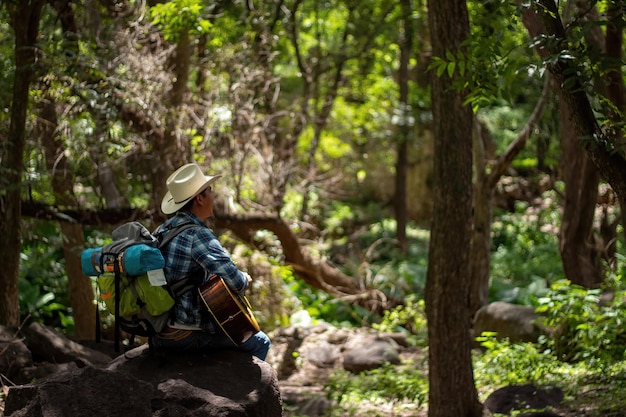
(184,184)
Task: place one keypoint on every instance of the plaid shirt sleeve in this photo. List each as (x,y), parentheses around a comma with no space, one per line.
(199,247)
(208,252)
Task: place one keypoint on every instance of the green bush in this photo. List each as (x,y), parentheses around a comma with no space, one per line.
(525,253)
(585,329)
(42,286)
(389,382)
(409,318)
(589,384)
(505,363)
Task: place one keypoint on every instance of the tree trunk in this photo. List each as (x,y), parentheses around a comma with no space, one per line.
(484,186)
(615,92)
(25,16)
(172,148)
(602,148)
(400,202)
(542,19)
(480,253)
(80,287)
(452,390)
(581,261)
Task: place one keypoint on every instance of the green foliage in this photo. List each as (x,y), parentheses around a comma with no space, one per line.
(505,121)
(595,384)
(7,66)
(330,147)
(407,318)
(321,306)
(389,382)
(176,17)
(42,285)
(503,363)
(525,256)
(488,71)
(383,266)
(585,329)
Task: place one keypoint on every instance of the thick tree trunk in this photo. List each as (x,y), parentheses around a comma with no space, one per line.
(25,16)
(603,149)
(580,257)
(616,90)
(452,391)
(80,287)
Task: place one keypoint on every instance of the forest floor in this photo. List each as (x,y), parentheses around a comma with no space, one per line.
(587,404)
(592,401)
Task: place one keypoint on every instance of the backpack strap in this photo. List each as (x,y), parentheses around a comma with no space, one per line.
(192,280)
(118,278)
(195,277)
(165,235)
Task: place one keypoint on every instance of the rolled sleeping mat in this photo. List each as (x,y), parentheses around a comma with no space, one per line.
(135,260)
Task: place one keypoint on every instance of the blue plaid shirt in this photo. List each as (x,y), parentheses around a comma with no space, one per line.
(192,248)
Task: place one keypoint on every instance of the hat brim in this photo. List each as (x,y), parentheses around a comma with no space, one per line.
(169,206)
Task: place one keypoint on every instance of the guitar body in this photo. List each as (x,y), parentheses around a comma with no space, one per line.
(231,311)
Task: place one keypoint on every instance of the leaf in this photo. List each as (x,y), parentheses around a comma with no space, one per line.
(440,70)
(451,67)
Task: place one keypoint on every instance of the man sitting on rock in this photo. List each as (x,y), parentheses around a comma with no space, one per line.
(195,251)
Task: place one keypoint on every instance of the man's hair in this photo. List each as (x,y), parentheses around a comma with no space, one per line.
(187,206)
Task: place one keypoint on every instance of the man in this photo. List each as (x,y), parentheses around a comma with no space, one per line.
(196,252)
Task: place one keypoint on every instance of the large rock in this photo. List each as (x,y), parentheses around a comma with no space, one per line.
(37,351)
(48,345)
(140,383)
(510,321)
(369,352)
(522,397)
(82,392)
(14,354)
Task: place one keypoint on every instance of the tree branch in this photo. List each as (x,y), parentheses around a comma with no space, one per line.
(505,160)
(316,272)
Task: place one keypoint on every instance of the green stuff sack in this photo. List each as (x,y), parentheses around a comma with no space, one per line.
(144,308)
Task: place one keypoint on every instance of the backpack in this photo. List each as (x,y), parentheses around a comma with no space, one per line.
(130,277)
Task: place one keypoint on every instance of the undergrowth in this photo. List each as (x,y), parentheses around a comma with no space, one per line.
(585,358)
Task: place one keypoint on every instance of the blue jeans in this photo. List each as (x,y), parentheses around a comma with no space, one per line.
(198,340)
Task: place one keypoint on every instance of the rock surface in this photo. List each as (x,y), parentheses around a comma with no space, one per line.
(64,378)
(510,321)
(304,357)
(142,384)
(522,397)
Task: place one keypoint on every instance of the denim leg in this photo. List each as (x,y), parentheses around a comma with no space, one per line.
(258,345)
(191,340)
(187,340)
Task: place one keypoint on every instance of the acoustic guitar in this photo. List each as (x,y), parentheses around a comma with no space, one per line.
(230,310)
